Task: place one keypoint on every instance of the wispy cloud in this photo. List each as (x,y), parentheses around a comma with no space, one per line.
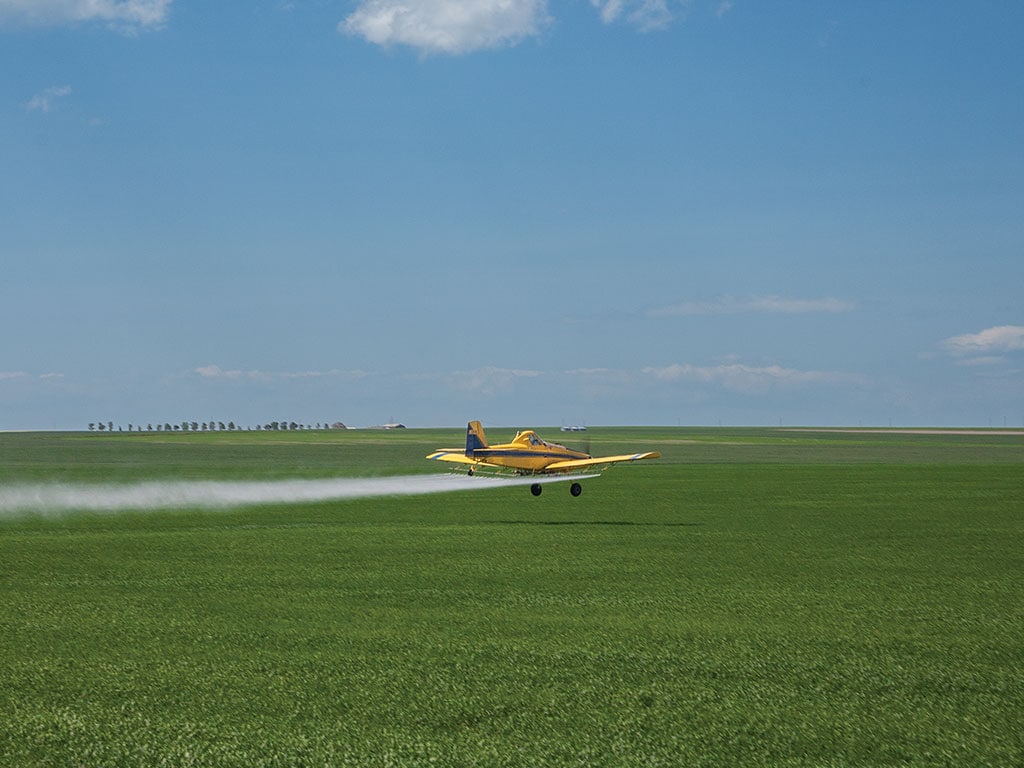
(645,15)
(825,39)
(491,380)
(732,376)
(24,375)
(215,372)
(730,305)
(44,101)
(978,362)
(128,16)
(987,347)
(738,377)
(499,382)
(447,26)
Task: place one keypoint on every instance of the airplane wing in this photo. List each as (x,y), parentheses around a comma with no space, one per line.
(565,466)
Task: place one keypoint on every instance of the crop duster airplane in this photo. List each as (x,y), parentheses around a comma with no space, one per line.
(527,454)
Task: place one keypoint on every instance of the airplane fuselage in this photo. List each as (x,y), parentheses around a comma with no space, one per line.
(526,452)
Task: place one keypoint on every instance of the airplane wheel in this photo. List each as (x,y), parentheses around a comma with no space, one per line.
(470,471)
(575,489)
(535,489)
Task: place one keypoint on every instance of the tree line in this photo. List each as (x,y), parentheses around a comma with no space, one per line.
(211,426)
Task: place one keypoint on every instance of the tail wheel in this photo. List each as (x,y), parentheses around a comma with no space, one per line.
(575,489)
(535,489)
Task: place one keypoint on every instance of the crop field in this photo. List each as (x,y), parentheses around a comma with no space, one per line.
(754,597)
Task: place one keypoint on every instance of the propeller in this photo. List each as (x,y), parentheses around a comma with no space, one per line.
(585,447)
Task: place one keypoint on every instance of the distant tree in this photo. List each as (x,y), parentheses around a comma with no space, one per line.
(110,426)
(149,427)
(92,426)
(231,426)
(103,427)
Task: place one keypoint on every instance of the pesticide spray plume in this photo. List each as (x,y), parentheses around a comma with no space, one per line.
(58,499)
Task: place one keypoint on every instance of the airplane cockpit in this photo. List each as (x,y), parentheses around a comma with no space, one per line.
(532,439)
(529,437)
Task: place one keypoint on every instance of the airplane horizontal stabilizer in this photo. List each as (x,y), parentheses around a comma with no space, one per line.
(453,455)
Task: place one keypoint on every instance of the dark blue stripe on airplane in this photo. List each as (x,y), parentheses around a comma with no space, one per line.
(485,452)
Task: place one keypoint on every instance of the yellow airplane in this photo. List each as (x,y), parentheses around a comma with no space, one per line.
(527,454)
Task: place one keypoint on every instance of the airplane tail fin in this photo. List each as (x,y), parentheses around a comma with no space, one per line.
(474,437)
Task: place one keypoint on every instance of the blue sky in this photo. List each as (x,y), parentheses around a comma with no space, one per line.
(526,212)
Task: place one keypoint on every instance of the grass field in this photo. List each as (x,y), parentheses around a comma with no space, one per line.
(755,597)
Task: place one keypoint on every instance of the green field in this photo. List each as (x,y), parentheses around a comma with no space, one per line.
(755,597)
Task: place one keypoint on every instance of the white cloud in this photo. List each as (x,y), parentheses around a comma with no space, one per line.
(44,100)
(126,15)
(723,8)
(738,377)
(8,375)
(447,26)
(729,305)
(462,26)
(986,344)
(646,15)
